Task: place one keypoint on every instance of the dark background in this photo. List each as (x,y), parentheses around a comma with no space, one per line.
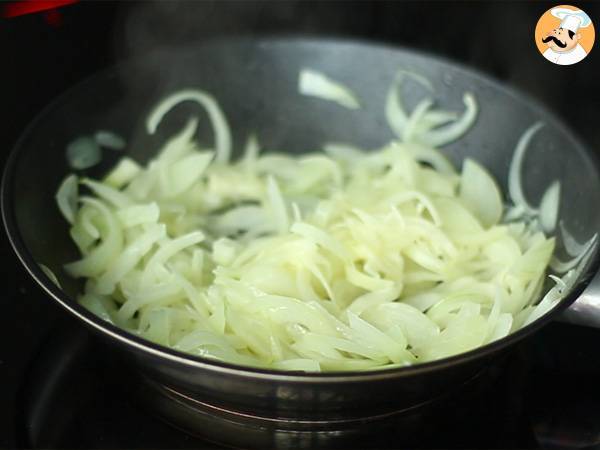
(40,60)
(45,53)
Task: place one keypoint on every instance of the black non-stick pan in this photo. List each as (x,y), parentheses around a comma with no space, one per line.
(256,84)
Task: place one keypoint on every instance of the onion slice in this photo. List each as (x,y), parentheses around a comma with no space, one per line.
(66,197)
(563,266)
(480,193)
(515,188)
(451,132)
(109,139)
(416,117)
(394,109)
(51,275)
(549,207)
(317,84)
(83,153)
(571,245)
(217,119)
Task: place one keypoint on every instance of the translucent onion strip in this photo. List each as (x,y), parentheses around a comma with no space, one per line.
(217,119)
(109,139)
(425,125)
(563,266)
(83,153)
(395,112)
(571,245)
(66,197)
(317,84)
(449,133)
(549,207)
(515,173)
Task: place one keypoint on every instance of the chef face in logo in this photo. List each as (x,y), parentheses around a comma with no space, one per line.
(563,35)
(561,40)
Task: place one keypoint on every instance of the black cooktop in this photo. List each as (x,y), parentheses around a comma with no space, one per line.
(59,388)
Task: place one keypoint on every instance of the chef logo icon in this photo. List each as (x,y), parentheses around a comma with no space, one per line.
(564,35)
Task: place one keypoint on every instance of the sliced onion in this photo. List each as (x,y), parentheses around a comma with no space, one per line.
(123,173)
(427,126)
(571,245)
(549,207)
(319,237)
(98,259)
(515,173)
(394,109)
(563,266)
(358,260)
(109,139)
(432,157)
(50,274)
(66,197)
(502,327)
(128,259)
(317,84)
(170,248)
(178,145)
(217,119)
(251,151)
(343,152)
(113,196)
(298,364)
(548,302)
(83,153)
(139,215)
(277,206)
(416,117)
(185,172)
(480,193)
(449,133)
(435,118)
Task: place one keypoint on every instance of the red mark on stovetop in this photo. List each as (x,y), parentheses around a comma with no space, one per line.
(53,18)
(14,9)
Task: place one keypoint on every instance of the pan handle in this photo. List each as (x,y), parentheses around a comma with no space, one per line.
(586,309)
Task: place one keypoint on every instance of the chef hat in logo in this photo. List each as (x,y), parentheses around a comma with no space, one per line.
(571,19)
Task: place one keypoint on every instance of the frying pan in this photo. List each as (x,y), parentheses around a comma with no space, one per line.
(255,82)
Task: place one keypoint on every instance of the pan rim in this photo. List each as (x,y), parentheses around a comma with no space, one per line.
(131,341)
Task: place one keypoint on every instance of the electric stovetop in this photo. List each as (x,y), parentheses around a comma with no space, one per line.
(60,388)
